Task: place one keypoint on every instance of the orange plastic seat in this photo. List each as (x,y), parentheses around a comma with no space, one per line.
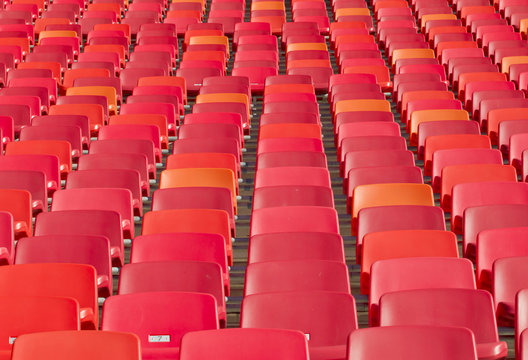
(362,105)
(366,196)
(306,46)
(402,244)
(507,61)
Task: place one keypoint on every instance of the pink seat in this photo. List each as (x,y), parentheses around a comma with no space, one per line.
(484,193)
(434,128)
(237,344)
(282,176)
(7,249)
(296,275)
(195,198)
(292,195)
(296,246)
(77,249)
(182,246)
(291,158)
(291,144)
(310,312)
(367,143)
(142,154)
(416,273)
(431,342)
(133,131)
(85,222)
(109,178)
(185,276)
(34,181)
(468,308)
(303,218)
(118,200)
(448,157)
(397,217)
(172,314)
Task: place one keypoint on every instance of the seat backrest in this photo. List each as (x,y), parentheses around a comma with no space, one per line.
(76,281)
(296,275)
(404,243)
(25,314)
(113,199)
(160,319)
(238,344)
(300,218)
(104,223)
(495,244)
(187,276)
(366,196)
(484,193)
(69,249)
(326,317)
(82,345)
(416,273)
(468,308)
(431,342)
(295,246)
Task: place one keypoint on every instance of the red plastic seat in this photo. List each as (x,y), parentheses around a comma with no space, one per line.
(139,152)
(486,217)
(61,345)
(495,244)
(238,344)
(291,158)
(404,243)
(209,221)
(75,281)
(60,314)
(453,175)
(484,193)
(295,246)
(85,222)
(472,309)
(433,128)
(296,275)
(186,276)
(304,218)
(114,199)
(76,249)
(507,281)
(170,314)
(195,198)
(397,217)
(182,246)
(284,176)
(416,273)
(431,342)
(311,312)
